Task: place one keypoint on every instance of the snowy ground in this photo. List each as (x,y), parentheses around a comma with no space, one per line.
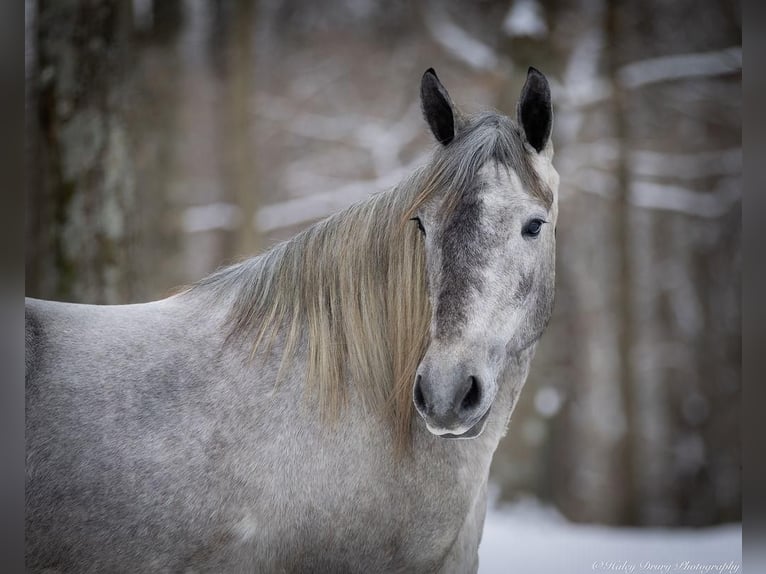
(530,537)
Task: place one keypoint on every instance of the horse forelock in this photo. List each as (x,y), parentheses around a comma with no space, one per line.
(486,137)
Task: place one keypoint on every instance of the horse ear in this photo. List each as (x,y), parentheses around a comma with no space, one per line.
(534,112)
(438,109)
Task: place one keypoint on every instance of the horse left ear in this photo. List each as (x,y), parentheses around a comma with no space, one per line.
(534,112)
(438,109)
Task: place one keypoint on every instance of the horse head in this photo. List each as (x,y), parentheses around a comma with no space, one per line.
(488,222)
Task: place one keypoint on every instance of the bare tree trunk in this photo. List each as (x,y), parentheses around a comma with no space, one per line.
(235,27)
(684,138)
(81,199)
(153,121)
(623,241)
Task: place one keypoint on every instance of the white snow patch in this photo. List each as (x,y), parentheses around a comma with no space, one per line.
(646,163)
(318,205)
(710,204)
(548,401)
(681,66)
(210,217)
(525,19)
(528,536)
(458,43)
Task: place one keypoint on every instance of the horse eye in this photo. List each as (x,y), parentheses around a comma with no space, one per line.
(532,228)
(420,224)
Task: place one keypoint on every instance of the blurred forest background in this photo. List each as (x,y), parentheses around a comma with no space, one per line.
(166,138)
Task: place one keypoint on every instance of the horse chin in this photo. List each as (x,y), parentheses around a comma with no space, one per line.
(473,432)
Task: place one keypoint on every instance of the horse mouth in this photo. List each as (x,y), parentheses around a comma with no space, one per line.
(472,432)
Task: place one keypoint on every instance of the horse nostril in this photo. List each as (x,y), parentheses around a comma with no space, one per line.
(420,401)
(472,396)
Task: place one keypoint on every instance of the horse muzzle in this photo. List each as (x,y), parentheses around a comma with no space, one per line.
(453,404)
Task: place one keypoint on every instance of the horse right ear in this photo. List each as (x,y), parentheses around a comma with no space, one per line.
(534,112)
(438,109)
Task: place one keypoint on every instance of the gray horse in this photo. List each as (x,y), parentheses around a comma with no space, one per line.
(306,410)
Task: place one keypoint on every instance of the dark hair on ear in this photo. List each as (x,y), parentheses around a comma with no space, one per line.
(438,109)
(535,112)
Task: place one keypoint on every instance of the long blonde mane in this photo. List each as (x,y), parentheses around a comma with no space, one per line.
(352,288)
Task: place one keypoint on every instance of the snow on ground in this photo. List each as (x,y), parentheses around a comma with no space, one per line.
(528,536)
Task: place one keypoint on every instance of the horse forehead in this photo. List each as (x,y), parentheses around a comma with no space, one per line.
(501,186)
(505,187)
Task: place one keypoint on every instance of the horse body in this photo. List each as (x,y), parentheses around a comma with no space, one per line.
(190,454)
(192,434)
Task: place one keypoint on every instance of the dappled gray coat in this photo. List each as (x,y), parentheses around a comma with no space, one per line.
(307,410)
